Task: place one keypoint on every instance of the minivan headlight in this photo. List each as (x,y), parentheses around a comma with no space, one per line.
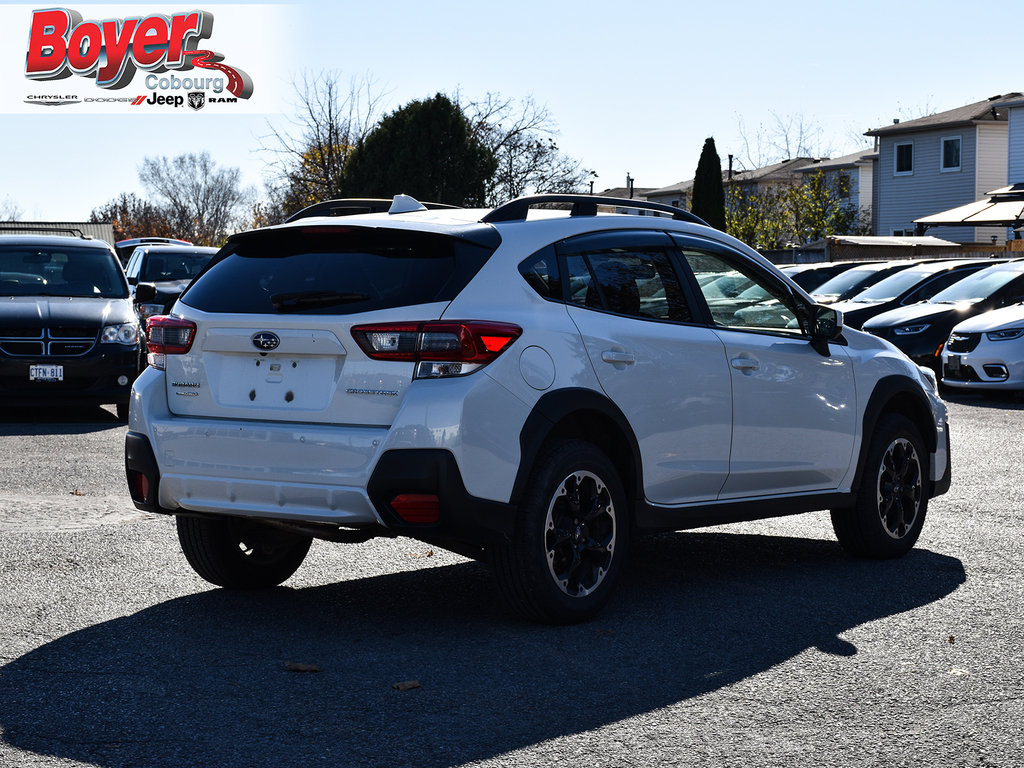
(1008,335)
(125,333)
(910,330)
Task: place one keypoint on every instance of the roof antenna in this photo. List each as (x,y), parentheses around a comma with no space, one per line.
(406,204)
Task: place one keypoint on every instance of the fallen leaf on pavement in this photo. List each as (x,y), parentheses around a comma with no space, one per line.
(406,685)
(297,666)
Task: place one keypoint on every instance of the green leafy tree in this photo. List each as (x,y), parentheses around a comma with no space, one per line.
(425,149)
(760,219)
(821,207)
(708,198)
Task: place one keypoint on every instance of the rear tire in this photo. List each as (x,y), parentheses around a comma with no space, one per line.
(571,537)
(887,518)
(239,553)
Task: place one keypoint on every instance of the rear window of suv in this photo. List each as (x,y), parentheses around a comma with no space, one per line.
(335,270)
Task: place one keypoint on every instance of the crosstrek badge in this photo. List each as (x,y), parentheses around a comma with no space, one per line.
(112,51)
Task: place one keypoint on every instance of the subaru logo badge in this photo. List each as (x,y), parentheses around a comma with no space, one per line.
(265,341)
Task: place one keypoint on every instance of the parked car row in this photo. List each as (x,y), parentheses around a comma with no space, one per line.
(963,318)
(71,319)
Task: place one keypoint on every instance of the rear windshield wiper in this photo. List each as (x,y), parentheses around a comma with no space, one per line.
(286,302)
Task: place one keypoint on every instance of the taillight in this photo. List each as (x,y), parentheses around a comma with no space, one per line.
(439,348)
(168,336)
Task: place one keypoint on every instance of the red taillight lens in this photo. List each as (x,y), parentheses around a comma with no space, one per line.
(168,336)
(439,347)
(417,507)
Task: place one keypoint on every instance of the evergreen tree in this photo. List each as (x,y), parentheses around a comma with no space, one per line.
(425,149)
(708,200)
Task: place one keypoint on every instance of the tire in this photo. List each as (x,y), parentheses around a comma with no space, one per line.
(571,537)
(238,553)
(891,505)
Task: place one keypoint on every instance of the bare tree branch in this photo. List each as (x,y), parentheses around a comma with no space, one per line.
(309,157)
(202,202)
(522,137)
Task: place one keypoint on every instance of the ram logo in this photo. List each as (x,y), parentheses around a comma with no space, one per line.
(265,341)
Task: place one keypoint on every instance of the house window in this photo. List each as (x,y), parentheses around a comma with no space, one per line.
(904,158)
(951,153)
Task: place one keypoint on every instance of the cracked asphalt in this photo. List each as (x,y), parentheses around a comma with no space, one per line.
(755,644)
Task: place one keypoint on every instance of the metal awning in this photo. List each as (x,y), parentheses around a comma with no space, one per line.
(928,241)
(1003,207)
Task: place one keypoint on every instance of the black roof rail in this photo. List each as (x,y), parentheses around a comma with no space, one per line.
(42,229)
(582,205)
(351,206)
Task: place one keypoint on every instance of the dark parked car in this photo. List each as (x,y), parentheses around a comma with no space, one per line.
(125,248)
(851,282)
(68,331)
(921,330)
(810,276)
(168,268)
(906,287)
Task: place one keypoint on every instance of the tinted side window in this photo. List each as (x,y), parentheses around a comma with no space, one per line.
(335,270)
(541,272)
(639,282)
(760,304)
(937,284)
(132,268)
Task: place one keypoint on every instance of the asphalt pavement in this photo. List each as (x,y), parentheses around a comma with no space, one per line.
(756,644)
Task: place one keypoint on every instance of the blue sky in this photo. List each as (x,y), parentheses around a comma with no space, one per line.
(633,87)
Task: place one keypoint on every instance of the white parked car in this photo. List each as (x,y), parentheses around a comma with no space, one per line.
(530,387)
(986,351)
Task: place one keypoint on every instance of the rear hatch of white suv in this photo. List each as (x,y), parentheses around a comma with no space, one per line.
(268,326)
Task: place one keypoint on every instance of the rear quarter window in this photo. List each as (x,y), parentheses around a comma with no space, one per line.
(336,270)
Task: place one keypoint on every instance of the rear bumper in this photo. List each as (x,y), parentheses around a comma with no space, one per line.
(462,517)
(335,474)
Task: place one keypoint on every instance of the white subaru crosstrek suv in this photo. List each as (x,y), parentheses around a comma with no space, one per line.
(532,387)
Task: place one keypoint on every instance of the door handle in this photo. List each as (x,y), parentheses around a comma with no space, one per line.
(745,364)
(613,356)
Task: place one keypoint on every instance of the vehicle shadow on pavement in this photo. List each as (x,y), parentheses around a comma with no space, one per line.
(202,680)
(53,420)
(1004,401)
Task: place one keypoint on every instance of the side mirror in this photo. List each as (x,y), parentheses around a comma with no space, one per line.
(826,323)
(145,293)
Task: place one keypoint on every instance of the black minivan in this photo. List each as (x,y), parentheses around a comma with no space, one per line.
(68,331)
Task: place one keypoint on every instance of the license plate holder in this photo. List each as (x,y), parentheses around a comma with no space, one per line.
(46,373)
(953,363)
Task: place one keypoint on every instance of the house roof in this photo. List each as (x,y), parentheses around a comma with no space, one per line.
(846,161)
(990,110)
(776,171)
(623,192)
(781,170)
(682,186)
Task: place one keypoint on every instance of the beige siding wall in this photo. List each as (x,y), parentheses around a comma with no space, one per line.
(991,164)
(866,185)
